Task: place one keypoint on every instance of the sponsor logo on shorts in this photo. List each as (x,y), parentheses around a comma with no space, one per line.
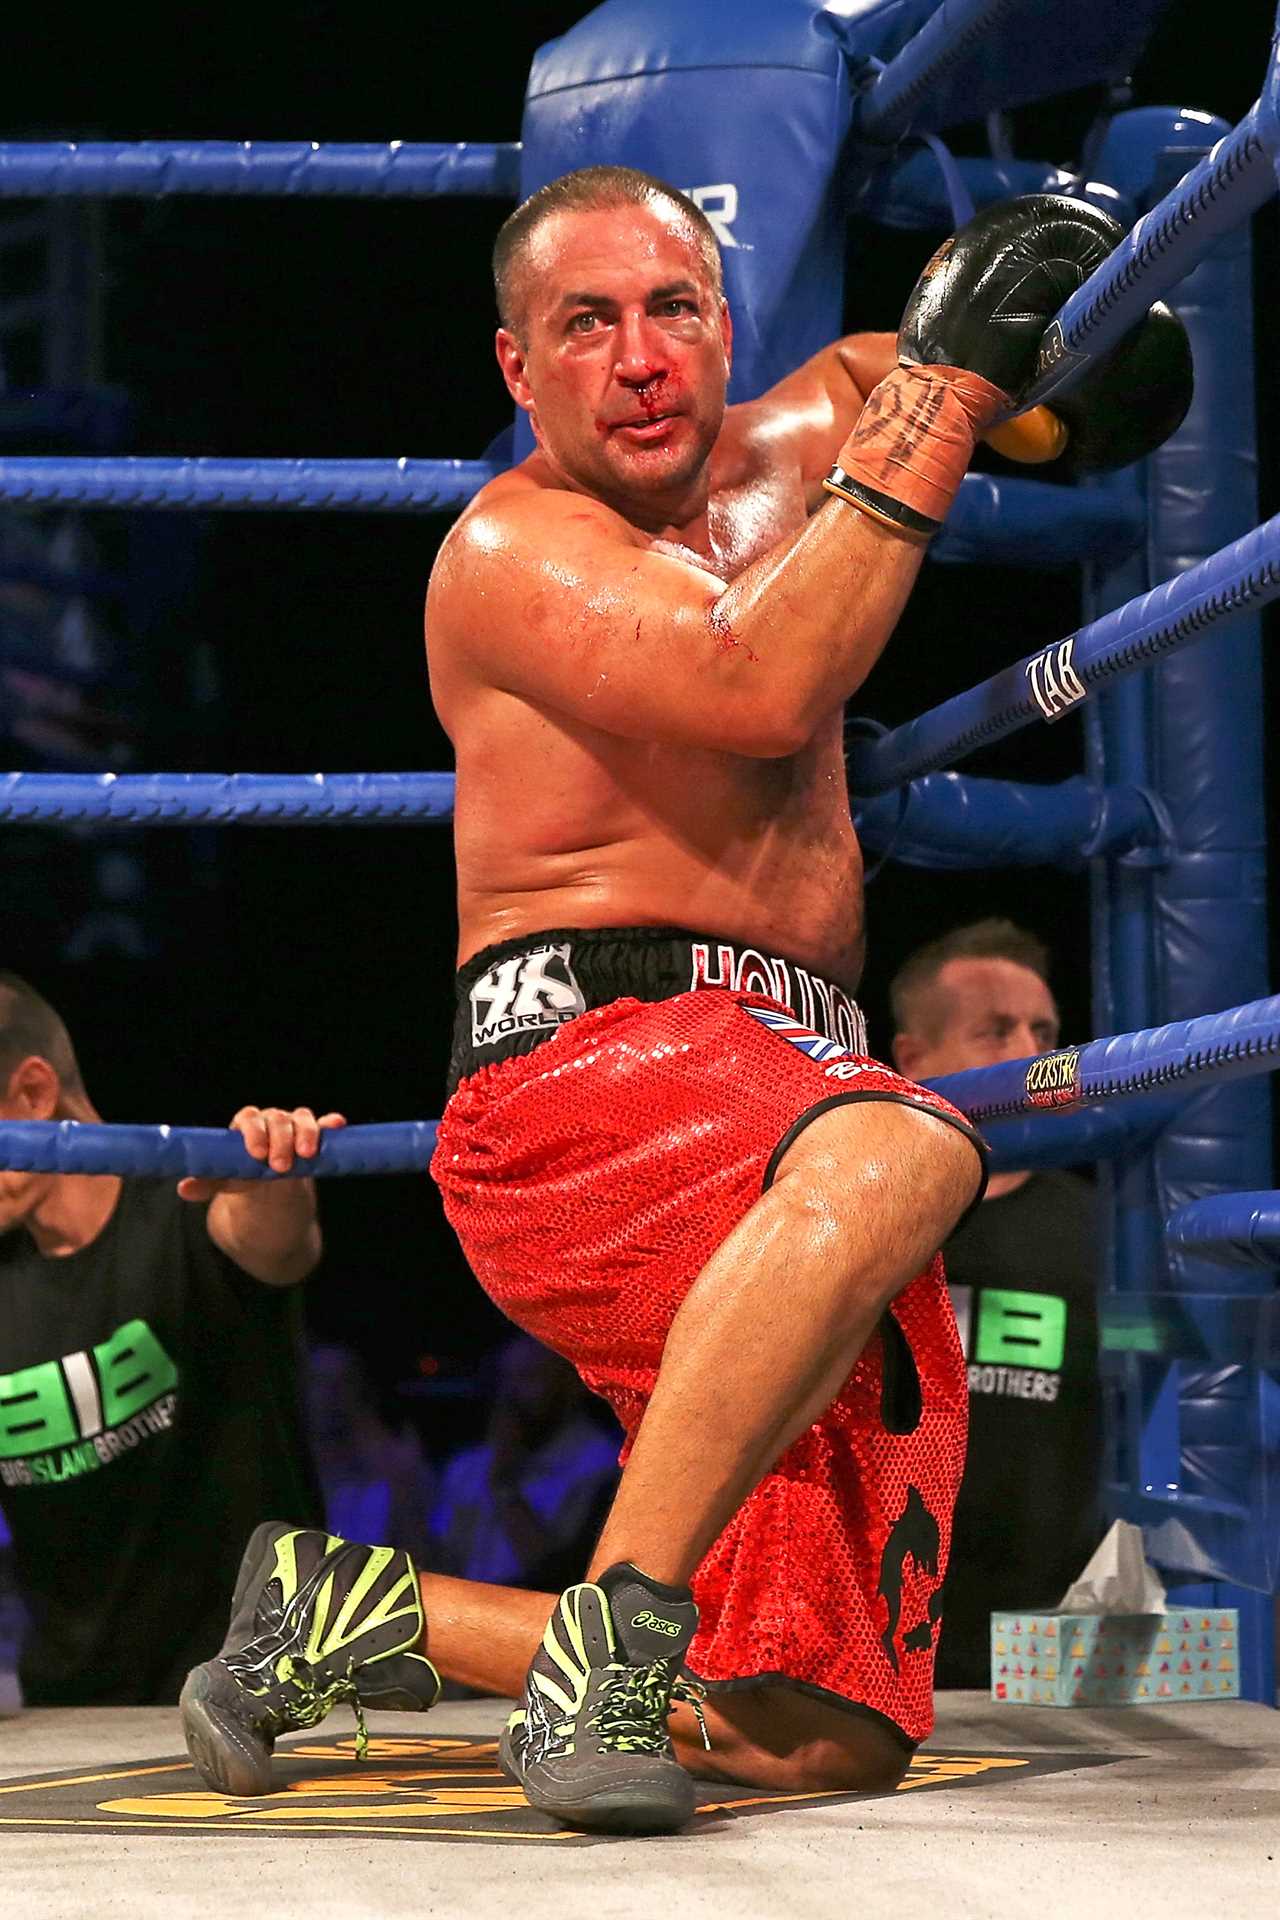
(910,1581)
(818,1005)
(1054,1079)
(657,1625)
(816,1045)
(1056,687)
(526,993)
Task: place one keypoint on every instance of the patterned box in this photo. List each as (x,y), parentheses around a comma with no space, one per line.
(1115,1659)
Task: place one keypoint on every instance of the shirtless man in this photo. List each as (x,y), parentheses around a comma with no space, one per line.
(665,1153)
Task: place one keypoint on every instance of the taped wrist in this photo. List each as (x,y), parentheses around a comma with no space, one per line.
(913,440)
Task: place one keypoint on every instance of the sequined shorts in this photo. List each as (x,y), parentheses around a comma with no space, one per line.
(589,1180)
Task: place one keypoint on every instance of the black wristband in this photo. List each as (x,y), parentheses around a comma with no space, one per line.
(881,506)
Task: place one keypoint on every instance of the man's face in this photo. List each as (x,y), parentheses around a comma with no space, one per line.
(624,356)
(976,1014)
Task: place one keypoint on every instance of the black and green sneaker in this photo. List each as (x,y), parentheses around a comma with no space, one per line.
(314,1619)
(589,1741)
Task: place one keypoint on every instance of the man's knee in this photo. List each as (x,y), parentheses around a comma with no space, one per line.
(901,1170)
(791,1743)
(838,1766)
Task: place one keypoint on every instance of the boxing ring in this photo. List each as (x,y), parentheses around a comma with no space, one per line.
(1167,811)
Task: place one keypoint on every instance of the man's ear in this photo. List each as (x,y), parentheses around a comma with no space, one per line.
(908,1051)
(34,1089)
(511,359)
(726,333)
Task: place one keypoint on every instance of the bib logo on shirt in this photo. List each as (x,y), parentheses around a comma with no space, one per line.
(67,1417)
(1019,1343)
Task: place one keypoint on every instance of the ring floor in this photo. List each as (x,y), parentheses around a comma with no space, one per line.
(1015,1811)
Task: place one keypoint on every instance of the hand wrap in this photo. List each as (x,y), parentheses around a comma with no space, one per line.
(913,440)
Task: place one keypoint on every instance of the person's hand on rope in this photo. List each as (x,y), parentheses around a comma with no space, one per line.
(269,1228)
(276,1135)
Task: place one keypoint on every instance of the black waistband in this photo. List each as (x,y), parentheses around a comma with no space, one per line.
(514,996)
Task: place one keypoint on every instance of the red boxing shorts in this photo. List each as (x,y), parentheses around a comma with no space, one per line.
(639,1091)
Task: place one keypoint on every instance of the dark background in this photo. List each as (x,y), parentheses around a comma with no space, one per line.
(315,966)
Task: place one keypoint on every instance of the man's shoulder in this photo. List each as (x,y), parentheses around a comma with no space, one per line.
(504,549)
(532,494)
(524,512)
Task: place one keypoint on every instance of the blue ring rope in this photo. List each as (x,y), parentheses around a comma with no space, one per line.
(1009,521)
(247,486)
(1234,1229)
(886,112)
(1237,579)
(390,170)
(252,799)
(1228,185)
(960,822)
(1218,1046)
(214,1153)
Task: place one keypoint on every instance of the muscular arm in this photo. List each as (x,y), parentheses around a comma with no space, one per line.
(805,419)
(552,597)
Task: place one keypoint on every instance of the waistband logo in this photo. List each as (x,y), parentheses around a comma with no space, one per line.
(817,1004)
(524,993)
(1054,1079)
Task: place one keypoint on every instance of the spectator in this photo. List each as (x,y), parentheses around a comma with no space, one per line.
(376,1483)
(1023,1275)
(524,1507)
(150,1411)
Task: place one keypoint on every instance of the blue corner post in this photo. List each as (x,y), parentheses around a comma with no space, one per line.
(1185,932)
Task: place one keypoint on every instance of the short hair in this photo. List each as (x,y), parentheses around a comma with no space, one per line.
(991,939)
(29,1025)
(586,190)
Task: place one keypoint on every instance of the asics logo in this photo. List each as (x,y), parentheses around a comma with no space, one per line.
(657,1625)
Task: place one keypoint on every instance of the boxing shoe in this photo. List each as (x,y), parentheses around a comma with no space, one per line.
(315,1619)
(589,1741)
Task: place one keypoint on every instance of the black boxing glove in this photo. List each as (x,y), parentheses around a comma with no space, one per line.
(967,349)
(1123,409)
(986,297)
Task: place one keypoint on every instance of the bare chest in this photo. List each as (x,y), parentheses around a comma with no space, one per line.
(744,518)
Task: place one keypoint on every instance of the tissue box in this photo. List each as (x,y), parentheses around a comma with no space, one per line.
(1115,1659)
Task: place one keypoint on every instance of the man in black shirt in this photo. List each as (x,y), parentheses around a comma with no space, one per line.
(150,1406)
(1022,1271)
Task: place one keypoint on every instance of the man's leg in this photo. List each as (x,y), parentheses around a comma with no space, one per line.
(485,1636)
(760,1347)
(770,1330)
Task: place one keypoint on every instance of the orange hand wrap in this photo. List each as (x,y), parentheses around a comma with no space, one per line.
(913,440)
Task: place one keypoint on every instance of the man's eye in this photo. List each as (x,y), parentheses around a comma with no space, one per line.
(677,306)
(582,323)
